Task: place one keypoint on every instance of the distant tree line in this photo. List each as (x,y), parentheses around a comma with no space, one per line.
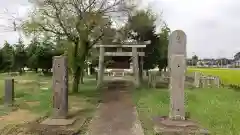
(36,55)
(210,62)
(39,52)
(56,30)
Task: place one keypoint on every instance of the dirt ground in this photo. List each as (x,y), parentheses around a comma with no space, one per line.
(116,115)
(24,122)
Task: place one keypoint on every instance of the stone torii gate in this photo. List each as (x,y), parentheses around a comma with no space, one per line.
(135,57)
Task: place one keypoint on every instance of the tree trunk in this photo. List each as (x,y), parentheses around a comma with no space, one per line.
(20,71)
(96,74)
(77,72)
(76,79)
(141,69)
(78,76)
(81,77)
(36,70)
(141,74)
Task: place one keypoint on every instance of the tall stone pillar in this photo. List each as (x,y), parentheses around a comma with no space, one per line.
(136,67)
(177,66)
(177,123)
(101,67)
(9,92)
(60,87)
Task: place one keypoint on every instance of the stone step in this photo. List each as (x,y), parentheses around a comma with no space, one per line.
(166,126)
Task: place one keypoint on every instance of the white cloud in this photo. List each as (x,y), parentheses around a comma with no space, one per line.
(11,10)
(212,26)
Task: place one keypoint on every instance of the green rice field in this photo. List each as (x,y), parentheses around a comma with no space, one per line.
(227,76)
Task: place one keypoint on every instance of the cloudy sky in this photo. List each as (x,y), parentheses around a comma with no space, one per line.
(212,26)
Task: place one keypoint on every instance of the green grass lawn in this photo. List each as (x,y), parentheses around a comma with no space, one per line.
(33,91)
(227,76)
(87,94)
(29,82)
(37,98)
(215,109)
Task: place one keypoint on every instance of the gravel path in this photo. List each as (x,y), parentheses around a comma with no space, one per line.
(116,114)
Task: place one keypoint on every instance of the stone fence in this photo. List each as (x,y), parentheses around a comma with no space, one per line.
(152,79)
(200,80)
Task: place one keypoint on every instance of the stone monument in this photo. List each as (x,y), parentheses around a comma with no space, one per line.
(100,75)
(60,87)
(136,67)
(176,122)
(152,79)
(60,93)
(177,66)
(9,92)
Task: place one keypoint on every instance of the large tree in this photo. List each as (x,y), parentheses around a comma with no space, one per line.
(81,22)
(8,57)
(163,49)
(194,60)
(32,55)
(20,57)
(237,56)
(142,27)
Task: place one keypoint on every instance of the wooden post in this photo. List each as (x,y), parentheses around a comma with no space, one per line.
(60,87)
(9,92)
(101,67)
(177,66)
(135,67)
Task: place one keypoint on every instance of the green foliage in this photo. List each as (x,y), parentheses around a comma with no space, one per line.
(142,28)
(32,49)
(142,24)
(194,60)
(237,56)
(36,55)
(20,57)
(83,26)
(8,57)
(163,49)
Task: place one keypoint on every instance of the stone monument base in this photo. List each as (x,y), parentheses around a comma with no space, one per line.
(8,108)
(166,126)
(58,122)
